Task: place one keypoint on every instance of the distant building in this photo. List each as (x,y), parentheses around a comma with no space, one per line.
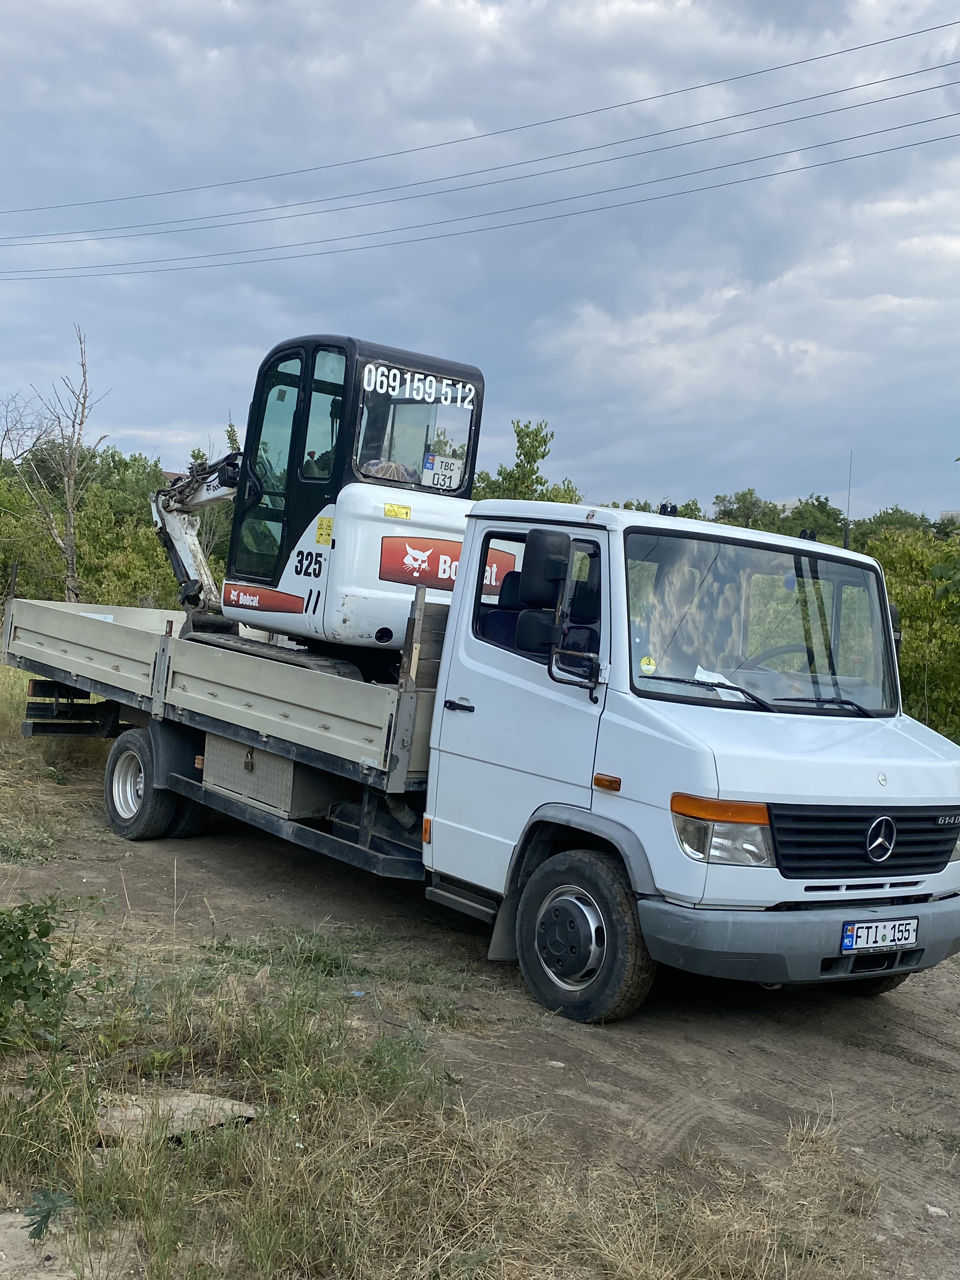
(950,515)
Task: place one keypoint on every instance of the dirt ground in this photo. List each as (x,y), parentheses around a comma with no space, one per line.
(723,1064)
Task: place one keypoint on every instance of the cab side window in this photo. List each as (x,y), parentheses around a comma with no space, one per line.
(498,603)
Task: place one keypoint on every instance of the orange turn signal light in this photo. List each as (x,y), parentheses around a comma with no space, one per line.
(425,832)
(720,810)
(606,782)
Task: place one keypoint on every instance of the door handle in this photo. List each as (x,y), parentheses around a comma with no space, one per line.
(450,705)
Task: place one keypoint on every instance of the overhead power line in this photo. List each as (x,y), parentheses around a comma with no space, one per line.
(492,133)
(276,254)
(278,214)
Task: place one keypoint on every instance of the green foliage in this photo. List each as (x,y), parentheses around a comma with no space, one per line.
(43,1211)
(127,482)
(525,479)
(930,654)
(747,510)
(863,532)
(691,510)
(817,513)
(23,543)
(633,504)
(30,981)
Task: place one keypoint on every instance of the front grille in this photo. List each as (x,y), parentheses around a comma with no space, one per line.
(830,841)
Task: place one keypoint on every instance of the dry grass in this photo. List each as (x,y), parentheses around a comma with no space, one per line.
(13,693)
(48,787)
(363,1163)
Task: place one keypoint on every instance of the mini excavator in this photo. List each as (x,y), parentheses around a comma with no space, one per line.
(351,490)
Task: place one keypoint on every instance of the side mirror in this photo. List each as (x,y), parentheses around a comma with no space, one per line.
(537,632)
(897,633)
(543,574)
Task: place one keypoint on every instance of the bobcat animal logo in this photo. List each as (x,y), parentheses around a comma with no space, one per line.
(417,562)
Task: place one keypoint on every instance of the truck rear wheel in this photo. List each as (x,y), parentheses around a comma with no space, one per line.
(579,943)
(136,808)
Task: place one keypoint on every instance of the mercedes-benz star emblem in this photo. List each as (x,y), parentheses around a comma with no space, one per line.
(881,838)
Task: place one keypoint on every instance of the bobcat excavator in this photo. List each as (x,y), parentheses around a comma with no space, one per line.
(351,490)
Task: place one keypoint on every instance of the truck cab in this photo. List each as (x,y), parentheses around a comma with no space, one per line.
(685,742)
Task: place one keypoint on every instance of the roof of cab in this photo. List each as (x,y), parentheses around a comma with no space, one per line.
(616,519)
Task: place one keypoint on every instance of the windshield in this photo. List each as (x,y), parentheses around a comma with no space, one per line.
(415,427)
(796,631)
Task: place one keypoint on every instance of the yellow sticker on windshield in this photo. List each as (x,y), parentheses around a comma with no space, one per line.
(647,665)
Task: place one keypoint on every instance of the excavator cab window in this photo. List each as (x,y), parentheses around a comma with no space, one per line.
(415,427)
(325,412)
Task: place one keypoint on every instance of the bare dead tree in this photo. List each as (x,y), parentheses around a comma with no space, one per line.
(44,437)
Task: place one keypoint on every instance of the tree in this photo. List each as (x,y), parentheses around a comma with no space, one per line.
(865,531)
(818,514)
(525,479)
(930,654)
(44,438)
(748,510)
(691,510)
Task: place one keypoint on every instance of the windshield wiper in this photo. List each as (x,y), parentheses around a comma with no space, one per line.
(836,702)
(719,684)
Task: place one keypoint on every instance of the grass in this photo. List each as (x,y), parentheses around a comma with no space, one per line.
(13,695)
(362,1163)
(49,787)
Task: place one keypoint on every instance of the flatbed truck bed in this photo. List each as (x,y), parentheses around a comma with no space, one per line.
(271,743)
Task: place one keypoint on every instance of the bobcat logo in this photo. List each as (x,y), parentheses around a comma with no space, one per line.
(417,562)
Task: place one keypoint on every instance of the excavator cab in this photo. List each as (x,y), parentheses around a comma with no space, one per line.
(352,489)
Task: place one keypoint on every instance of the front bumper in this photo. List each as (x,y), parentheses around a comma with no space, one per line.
(791,946)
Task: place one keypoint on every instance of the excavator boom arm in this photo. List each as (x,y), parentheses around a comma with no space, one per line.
(176,517)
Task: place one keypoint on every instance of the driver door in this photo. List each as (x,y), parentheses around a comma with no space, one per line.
(256,551)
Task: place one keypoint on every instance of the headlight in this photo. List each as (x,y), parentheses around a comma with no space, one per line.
(727,832)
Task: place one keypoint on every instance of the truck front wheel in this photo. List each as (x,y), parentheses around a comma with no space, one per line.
(579,943)
(136,808)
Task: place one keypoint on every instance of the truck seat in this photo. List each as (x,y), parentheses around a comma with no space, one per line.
(499,625)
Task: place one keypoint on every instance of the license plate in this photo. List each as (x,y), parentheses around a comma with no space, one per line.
(878,935)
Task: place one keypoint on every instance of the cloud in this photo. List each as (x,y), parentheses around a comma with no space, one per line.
(746,336)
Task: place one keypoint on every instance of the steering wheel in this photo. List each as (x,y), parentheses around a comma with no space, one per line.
(759,659)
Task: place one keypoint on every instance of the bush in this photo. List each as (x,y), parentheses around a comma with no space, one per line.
(31,982)
(930,656)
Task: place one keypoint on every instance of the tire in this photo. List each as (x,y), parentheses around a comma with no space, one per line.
(136,808)
(868,987)
(592,965)
(189,819)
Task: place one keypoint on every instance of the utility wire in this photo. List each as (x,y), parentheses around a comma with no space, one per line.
(104,268)
(524,222)
(274,215)
(86,232)
(493,133)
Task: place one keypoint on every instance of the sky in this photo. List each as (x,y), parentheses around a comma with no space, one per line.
(685,342)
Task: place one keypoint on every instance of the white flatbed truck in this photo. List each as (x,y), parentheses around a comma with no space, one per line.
(639,741)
